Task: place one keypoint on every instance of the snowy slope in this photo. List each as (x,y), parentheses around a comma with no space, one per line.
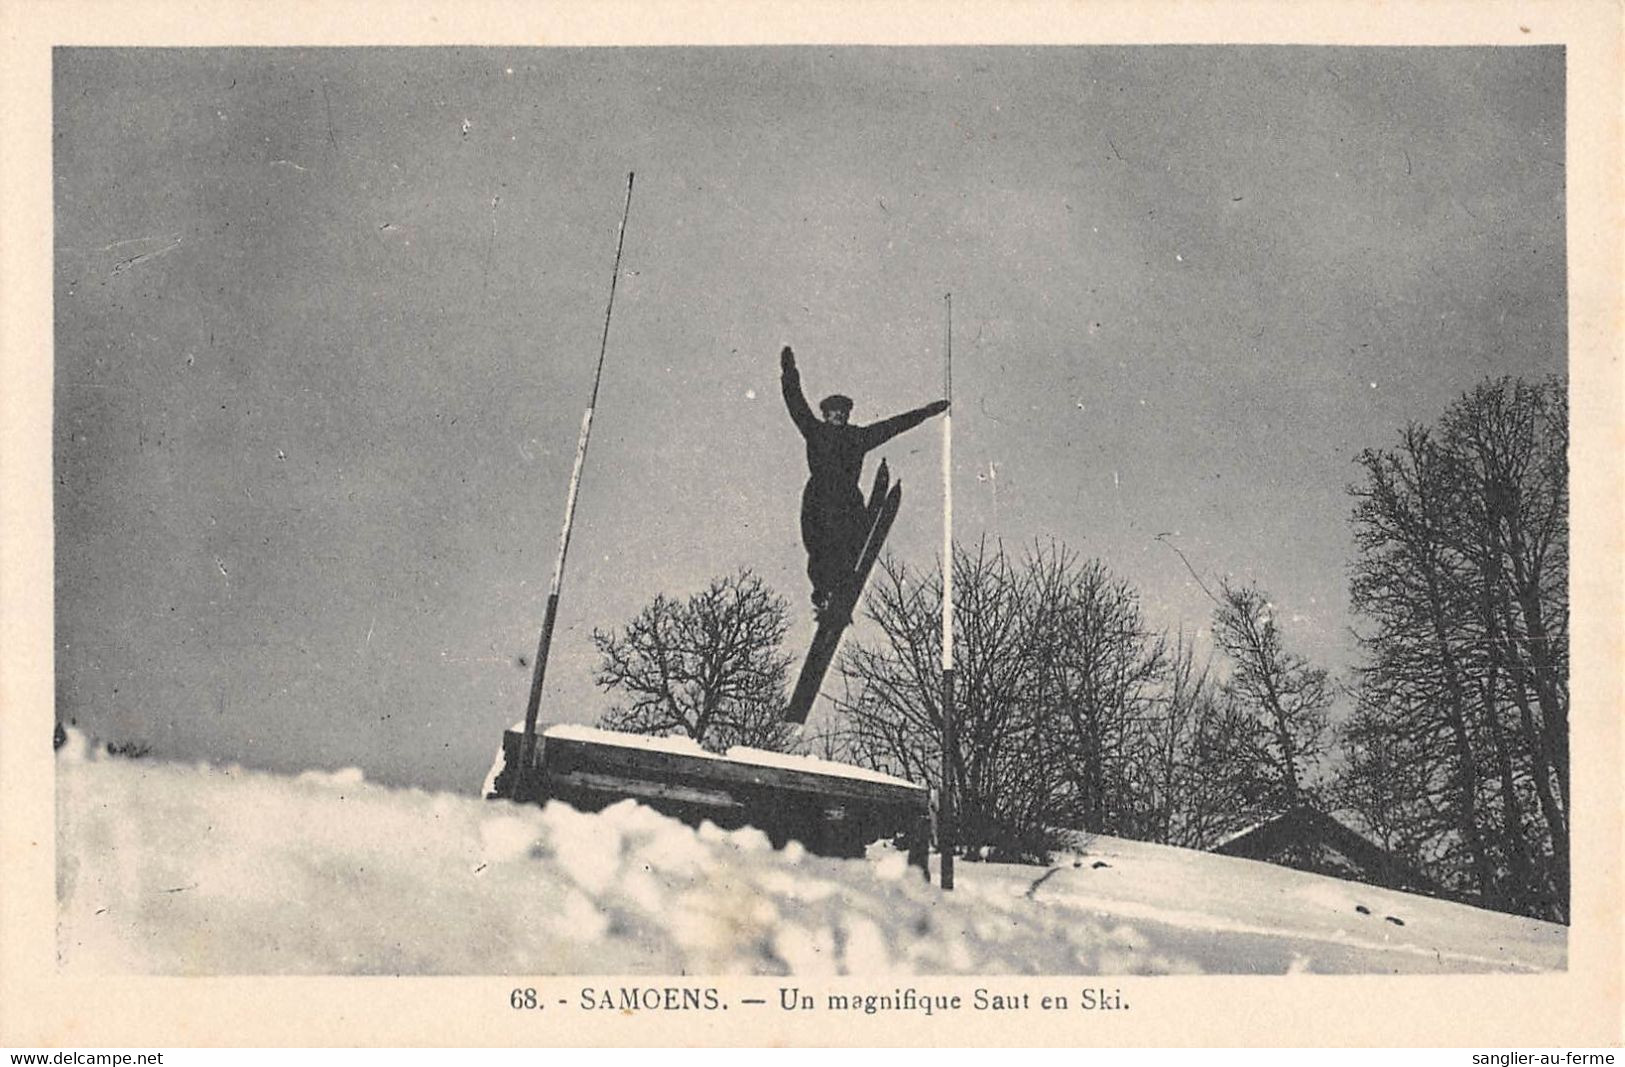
(170,869)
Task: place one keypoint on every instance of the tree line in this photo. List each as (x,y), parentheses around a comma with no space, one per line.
(1447,744)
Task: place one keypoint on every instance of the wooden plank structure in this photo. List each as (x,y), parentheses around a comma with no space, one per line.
(831,809)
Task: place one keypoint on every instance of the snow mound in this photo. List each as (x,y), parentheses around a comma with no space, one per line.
(346,778)
(170,869)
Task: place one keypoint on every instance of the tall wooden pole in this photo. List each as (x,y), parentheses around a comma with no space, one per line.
(950,740)
(527,744)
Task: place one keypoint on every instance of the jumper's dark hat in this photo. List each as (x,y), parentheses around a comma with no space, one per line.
(836,402)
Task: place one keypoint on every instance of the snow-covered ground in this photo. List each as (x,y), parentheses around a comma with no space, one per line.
(170,869)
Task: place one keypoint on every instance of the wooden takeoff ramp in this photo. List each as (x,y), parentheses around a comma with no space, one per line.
(833,809)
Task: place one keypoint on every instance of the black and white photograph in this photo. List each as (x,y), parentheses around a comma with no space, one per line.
(788,535)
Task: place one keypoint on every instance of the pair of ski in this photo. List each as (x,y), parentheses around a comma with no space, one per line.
(884,500)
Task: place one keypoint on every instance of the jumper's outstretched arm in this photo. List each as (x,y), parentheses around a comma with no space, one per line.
(794,399)
(884,430)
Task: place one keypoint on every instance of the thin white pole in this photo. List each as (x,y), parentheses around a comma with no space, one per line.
(950,740)
(527,742)
(948,498)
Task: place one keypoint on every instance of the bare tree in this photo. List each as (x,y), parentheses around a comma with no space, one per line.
(1058,695)
(1098,669)
(1223,780)
(709,668)
(1411,581)
(1379,782)
(892,703)
(1510,442)
(1288,698)
(1463,572)
(1169,778)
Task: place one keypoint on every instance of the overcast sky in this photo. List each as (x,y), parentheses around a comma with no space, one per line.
(326,323)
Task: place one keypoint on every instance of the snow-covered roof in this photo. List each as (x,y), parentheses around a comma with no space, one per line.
(813,765)
(681,746)
(687,746)
(1237,835)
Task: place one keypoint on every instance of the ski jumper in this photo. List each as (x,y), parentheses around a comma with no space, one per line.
(833,520)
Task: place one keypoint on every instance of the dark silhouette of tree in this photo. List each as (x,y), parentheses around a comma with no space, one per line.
(1057,696)
(1098,669)
(1511,444)
(1223,782)
(892,704)
(709,668)
(1459,747)
(1158,769)
(1378,783)
(1283,694)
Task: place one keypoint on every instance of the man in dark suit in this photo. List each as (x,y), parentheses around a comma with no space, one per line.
(833,520)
